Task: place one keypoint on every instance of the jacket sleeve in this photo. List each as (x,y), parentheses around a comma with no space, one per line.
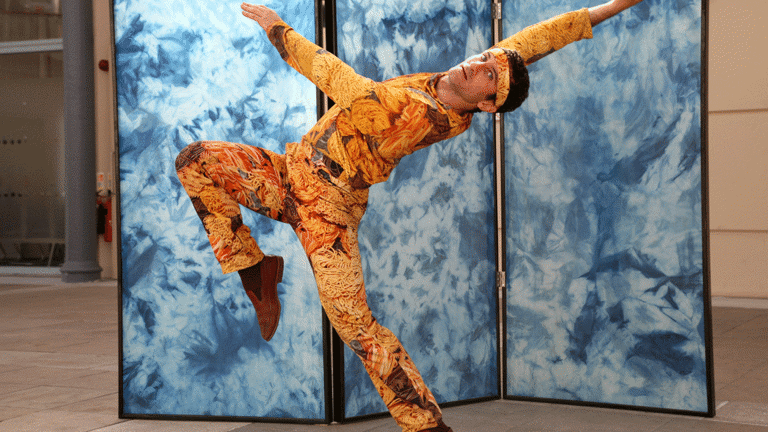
(539,40)
(331,75)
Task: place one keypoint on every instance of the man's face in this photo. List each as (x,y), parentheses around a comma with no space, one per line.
(475,79)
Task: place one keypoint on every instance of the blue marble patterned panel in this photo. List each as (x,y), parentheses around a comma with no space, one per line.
(190,70)
(427,239)
(604,195)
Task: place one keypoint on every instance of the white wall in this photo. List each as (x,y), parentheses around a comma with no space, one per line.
(738,147)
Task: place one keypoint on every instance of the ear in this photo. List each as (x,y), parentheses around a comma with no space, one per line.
(488,106)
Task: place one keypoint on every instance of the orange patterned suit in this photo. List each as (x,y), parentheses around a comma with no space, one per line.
(320,187)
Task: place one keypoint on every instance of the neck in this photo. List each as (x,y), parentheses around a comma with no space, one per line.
(448,98)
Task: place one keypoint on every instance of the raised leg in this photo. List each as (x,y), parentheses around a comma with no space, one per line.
(218,176)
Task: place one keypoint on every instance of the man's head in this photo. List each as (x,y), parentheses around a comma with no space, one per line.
(513,83)
(494,81)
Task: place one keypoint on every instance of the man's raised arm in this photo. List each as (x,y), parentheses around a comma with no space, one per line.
(539,40)
(332,76)
(598,14)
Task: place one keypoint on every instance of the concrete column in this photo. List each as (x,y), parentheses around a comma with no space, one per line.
(81,261)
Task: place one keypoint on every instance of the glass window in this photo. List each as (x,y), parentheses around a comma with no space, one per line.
(22,20)
(31,134)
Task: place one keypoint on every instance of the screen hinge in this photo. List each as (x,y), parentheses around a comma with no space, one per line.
(496,11)
(501,279)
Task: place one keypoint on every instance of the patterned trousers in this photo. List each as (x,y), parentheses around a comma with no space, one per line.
(325,214)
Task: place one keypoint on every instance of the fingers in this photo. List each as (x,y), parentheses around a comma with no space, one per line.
(260,13)
(251,11)
(256,10)
(251,7)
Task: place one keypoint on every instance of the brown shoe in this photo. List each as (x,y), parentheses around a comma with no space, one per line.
(260,283)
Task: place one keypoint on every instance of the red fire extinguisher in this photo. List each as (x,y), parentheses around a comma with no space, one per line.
(104,220)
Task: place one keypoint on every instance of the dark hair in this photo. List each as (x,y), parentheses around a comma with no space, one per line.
(518,87)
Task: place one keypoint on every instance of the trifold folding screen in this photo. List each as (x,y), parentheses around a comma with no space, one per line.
(591,287)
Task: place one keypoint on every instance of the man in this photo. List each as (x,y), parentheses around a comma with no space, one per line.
(320,186)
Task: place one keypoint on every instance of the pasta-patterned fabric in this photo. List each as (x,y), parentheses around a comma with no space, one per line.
(323,200)
(533,44)
(320,188)
(219,176)
(373,125)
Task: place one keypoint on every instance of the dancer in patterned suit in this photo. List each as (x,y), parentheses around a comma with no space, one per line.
(320,185)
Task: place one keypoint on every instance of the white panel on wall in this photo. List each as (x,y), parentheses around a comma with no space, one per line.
(738,154)
(738,264)
(738,67)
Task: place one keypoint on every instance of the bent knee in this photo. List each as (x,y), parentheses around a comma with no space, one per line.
(189,155)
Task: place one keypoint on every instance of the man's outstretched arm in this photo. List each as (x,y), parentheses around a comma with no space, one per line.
(598,14)
(539,40)
(332,76)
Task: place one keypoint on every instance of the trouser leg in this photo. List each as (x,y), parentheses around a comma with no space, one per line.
(339,276)
(218,176)
(329,212)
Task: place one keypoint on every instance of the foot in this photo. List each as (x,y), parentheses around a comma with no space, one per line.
(260,283)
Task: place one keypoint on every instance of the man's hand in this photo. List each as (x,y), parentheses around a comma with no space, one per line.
(601,13)
(261,14)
